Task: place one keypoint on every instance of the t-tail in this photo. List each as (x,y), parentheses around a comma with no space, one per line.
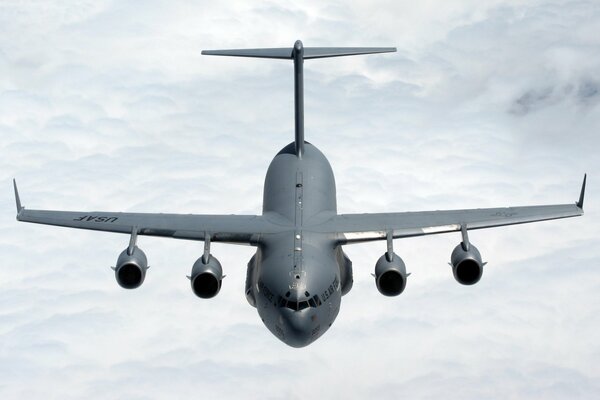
(298,54)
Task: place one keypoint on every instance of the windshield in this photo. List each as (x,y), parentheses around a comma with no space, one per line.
(298,305)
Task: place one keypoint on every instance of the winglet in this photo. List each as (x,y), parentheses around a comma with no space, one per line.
(17,198)
(582,194)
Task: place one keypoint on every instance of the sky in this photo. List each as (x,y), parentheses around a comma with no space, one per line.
(108,105)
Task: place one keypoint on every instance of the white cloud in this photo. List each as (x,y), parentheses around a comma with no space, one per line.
(108,105)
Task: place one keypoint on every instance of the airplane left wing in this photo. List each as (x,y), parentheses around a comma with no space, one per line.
(240,229)
(357,228)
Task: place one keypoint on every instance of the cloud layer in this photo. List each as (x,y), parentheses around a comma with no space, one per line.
(109,106)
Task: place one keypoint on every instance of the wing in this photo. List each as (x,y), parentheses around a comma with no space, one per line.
(356,228)
(241,229)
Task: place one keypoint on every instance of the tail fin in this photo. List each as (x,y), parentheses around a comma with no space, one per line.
(299,53)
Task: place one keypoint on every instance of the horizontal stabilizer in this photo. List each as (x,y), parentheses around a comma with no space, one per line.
(298,53)
(283,53)
(287,53)
(323,52)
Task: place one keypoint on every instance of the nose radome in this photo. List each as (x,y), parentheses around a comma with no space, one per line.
(298,327)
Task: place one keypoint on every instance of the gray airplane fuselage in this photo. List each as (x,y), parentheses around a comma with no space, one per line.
(299,273)
(297,277)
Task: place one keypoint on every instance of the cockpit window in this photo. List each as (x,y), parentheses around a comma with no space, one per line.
(317,300)
(313,302)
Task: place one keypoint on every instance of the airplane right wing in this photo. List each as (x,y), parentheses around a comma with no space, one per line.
(240,229)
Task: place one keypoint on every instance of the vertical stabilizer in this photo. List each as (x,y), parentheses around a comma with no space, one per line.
(298,54)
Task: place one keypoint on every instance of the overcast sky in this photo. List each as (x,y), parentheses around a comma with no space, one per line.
(108,105)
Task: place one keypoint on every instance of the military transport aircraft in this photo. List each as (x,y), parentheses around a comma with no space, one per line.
(299,272)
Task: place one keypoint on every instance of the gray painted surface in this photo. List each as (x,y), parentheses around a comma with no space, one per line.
(299,272)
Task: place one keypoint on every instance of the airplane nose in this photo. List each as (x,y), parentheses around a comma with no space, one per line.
(298,327)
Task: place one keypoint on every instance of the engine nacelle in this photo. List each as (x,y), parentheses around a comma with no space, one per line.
(467,266)
(206,278)
(130,270)
(390,276)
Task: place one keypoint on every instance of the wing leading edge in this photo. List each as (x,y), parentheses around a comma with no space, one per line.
(346,228)
(240,229)
(356,228)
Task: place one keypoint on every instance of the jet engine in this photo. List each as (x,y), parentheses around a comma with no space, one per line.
(390,275)
(206,277)
(130,269)
(467,266)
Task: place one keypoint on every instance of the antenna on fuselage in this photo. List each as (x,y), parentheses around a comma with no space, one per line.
(299,53)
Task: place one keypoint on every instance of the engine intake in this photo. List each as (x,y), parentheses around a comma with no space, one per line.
(206,278)
(467,266)
(130,270)
(390,276)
